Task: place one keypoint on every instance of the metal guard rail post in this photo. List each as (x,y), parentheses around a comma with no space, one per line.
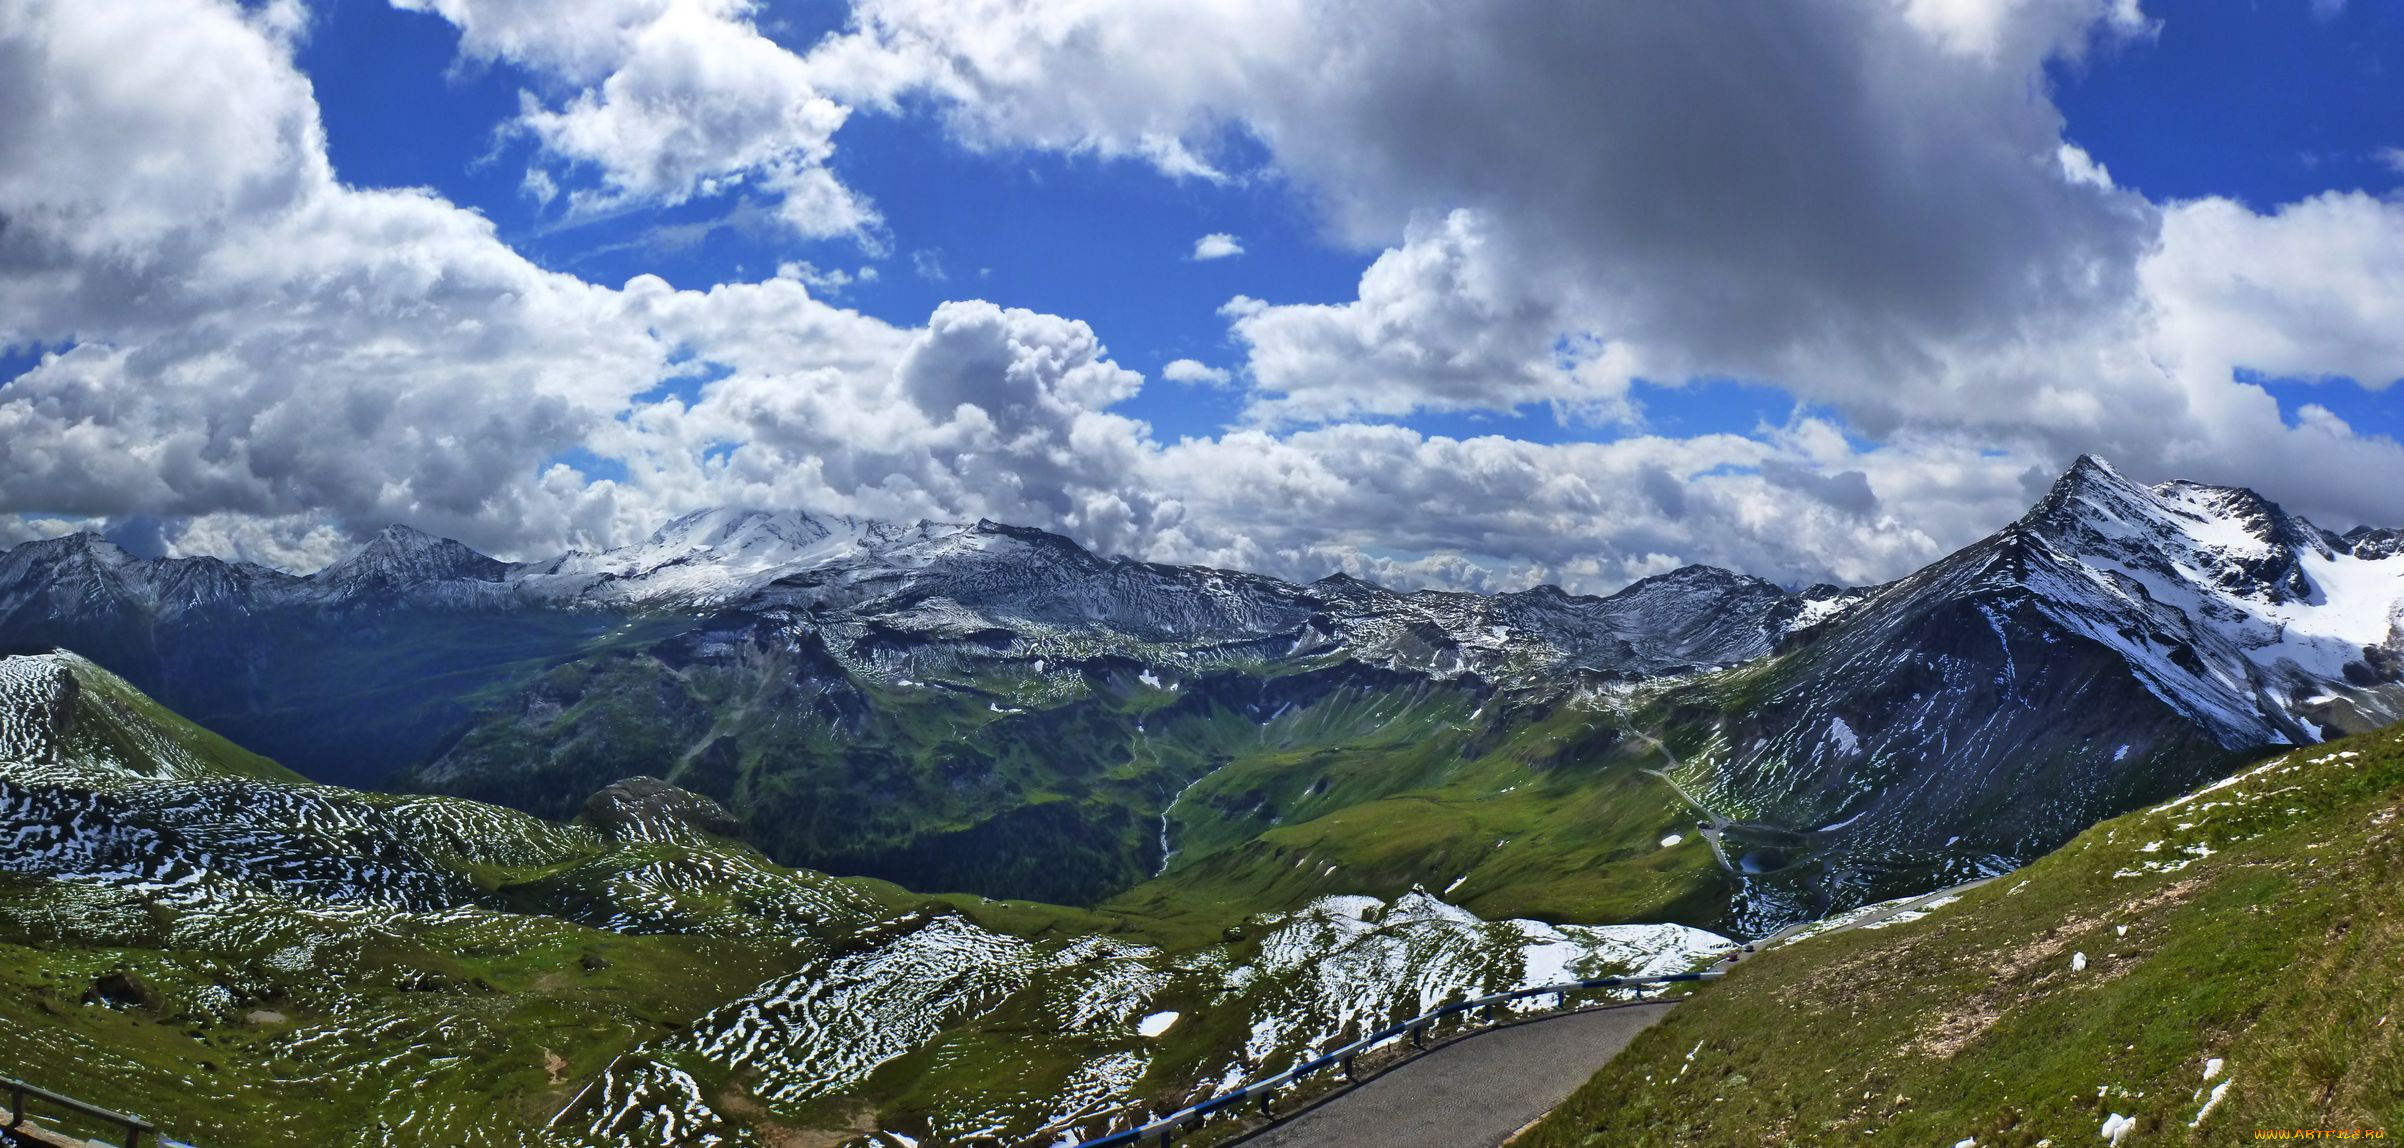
(18,1092)
(1415,1028)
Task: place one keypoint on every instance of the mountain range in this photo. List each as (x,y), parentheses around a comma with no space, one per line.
(996,710)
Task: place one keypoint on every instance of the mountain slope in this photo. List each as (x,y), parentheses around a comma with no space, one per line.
(2115,646)
(2223,961)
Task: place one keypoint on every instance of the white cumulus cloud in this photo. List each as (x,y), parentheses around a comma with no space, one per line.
(1217,245)
(670,100)
(1196,372)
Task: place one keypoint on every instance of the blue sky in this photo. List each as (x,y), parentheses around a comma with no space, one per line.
(1524,293)
(1106,240)
(2267,102)
(2263,102)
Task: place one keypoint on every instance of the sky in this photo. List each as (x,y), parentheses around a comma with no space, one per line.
(1472,293)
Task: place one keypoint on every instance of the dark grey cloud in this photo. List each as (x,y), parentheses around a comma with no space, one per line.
(1844,197)
(1847,490)
(1868,203)
(1667,493)
(1777,190)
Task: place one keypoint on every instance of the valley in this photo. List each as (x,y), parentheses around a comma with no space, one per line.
(192,933)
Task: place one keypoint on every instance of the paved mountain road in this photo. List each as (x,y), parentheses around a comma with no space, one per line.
(1713,823)
(1476,1091)
(1472,1093)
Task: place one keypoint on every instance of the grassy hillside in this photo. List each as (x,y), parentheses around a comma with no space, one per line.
(1007,783)
(190,933)
(113,721)
(341,966)
(2221,963)
(1548,813)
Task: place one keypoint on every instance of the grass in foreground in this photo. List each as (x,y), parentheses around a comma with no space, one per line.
(2220,964)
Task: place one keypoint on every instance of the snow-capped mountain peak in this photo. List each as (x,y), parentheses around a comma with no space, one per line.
(2229,538)
(727,531)
(2257,623)
(711,556)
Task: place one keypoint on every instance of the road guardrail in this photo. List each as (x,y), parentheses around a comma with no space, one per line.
(19,1092)
(1264,1091)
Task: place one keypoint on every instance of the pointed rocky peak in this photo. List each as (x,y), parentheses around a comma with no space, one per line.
(68,547)
(1343,587)
(2225,539)
(2092,496)
(2093,470)
(1034,539)
(2094,509)
(1688,581)
(2089,489)
(404,555)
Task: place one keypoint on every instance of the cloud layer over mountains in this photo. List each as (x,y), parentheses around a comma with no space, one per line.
(1867,203)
